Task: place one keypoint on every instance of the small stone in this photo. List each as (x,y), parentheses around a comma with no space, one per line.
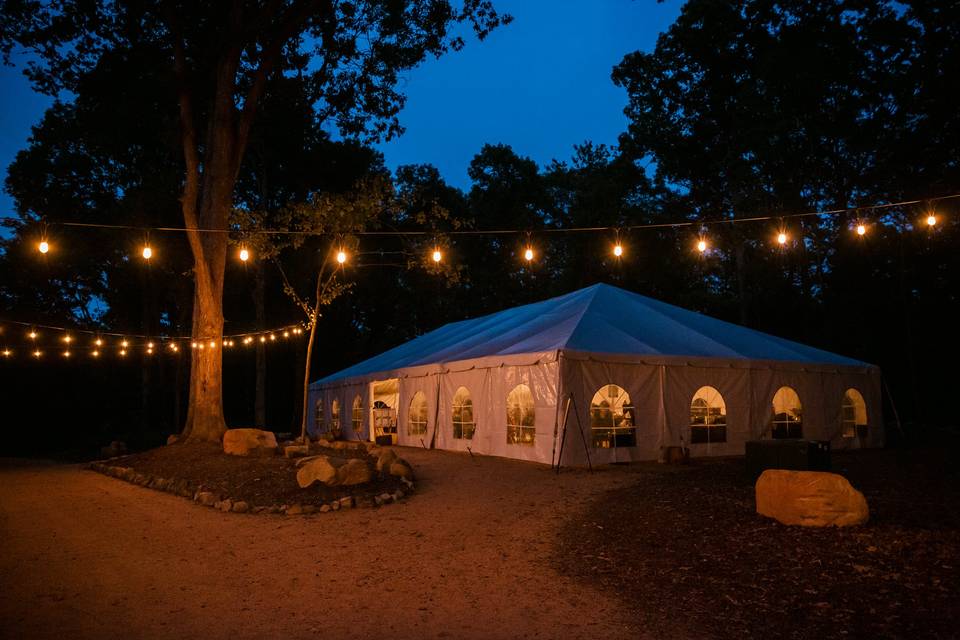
(335,505)
(385,458)
(296,451)
(259,509)
(226,505)
(240,507)
(409,483)
(385,497)
(354,471)
(397,495)
(277,509)
(401,469)
(207,498)
(172,439)
(320,469)
(295,510)
(346,503)
(246,442)
(377,500)
(325,508)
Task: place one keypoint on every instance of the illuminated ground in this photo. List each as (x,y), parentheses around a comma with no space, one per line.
(88,556)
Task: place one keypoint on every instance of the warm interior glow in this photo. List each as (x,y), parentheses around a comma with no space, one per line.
(147,252)
(43,246)
(782,238)
(341,256)
(528,254)
(244,254)
(618,250)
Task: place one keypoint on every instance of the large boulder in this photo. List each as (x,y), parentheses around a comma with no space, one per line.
(401,469)
(247,442)
(319,469)
(810,499)
(354,471)
(385,457)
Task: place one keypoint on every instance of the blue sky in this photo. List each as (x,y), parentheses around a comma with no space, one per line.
(540,84)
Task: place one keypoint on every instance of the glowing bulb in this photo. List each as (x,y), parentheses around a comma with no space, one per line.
(147,252)
(123,352)
(98,342)
(67,339)
(193,345)
(244,254)
(6,353)
(124,344)
(149,352)
(782,238)
(263,339)
(213,344)
(341,256)
(149,345)
(618,250)
(37,353)
(437,256)
(44,246)
(286,334)
(861,229)
(200,346)
(174,347)
(273,337)
(931,220)
(702,246)
(32,335)
(528,254)
(95,353)
(66,354)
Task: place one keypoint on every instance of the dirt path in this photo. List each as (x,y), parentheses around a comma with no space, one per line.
(86,556)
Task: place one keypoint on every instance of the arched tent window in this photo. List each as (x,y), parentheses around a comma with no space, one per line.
(319,420)
(417,417)
(520,416)
(612,419)
(335,417)
(708,417)
(463,424)
(356,417)
(853,416)
(787,414)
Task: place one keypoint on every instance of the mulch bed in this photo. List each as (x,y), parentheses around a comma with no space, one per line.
(686,555)
(258,481)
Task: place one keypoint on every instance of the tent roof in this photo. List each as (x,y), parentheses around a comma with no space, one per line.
(599,319)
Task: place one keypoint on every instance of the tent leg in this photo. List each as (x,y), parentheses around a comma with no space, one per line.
(893,405)
(566,412)
(583,438)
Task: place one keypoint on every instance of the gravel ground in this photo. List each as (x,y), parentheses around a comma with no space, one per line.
(467,556)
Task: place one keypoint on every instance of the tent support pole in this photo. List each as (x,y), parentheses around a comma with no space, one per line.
(893,406)
(583,438)
(563,437)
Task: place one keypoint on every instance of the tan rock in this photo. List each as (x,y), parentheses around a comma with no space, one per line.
(320,469)
(354,471)
(385,458)
(401,469)
(296,451)
(240,507)
(246,442)
(207,498)
(172,438)
(810,499)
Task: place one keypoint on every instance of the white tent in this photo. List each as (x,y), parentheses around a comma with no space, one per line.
(639,375)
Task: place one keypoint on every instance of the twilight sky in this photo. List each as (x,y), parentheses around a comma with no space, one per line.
(540,84)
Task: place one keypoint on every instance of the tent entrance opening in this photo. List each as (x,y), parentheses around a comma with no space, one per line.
(383,410)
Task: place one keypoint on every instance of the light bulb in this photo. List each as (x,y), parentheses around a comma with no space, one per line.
(341,256)
(98,342)
(244,254)
(702,246)
(6,353)
(123,352)
(213,344)
(66,354)
(861,229)
(37,353)
(193,345)
(618,250)
(149,352)
(528,254)
(149,345)
(273,337)
(263,338)
(33,335)
(67,339)
(437,256)
(44,246)
(931,220)
(124,344)
(95,353)
(782,238)
(286,334)
(147,252)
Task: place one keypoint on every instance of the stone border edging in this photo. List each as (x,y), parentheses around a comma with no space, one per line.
(184,489)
